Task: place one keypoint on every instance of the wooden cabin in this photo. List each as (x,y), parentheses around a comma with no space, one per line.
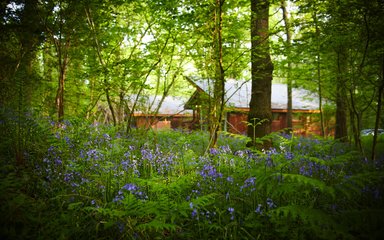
(306,118)
(170,115)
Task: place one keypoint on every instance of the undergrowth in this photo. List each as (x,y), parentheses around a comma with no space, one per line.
(89,181)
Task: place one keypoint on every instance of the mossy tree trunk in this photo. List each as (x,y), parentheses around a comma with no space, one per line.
(260,114)
(219,80)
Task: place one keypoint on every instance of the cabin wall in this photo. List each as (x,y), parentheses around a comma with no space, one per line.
(304,124)
(173,122)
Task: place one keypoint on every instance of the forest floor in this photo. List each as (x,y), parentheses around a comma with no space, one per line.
(94,182)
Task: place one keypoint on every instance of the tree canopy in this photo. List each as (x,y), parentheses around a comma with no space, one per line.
(97,59)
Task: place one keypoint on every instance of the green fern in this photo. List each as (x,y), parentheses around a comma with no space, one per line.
(318,224)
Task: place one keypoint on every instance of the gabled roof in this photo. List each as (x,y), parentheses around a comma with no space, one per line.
(171,105)
(238,94)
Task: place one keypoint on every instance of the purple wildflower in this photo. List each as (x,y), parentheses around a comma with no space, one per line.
(270,203)
(213,151)
(259,210)
(231,211)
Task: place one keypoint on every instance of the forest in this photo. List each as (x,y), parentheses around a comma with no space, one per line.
(115,119)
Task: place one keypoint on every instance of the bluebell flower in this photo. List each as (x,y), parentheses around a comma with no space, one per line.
(194,214)
(259,210)
(120,226)
(107,137)
(231,211)
(225,149)
(249,182)
(270,203)
(227,196)
(213,151)
(230,179)
(133,189)
(118,198)
(130,187)
(240,153)
(58,161)
(125,165)
(288,155)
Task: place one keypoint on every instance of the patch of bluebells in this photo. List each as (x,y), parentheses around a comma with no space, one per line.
(285,135)
(249,184)
(248,157)
(269,157)
(165,164)
(130,163)
(288,155)
(210,172)
(51,168)
(132,189)
(214,151)
(314,169)
(161,162)
(75,179)
(94,154)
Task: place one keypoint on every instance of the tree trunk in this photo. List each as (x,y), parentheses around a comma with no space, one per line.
(219,81)
(60,94)
(288,45)
(62,54)
(260,113)
(319,82)
(102,63)
(341,131)
(378,112)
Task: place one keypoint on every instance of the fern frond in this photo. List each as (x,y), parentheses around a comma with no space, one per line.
(319,224)
(292,182)
(158,226)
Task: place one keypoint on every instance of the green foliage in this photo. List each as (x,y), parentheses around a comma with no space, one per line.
(95,182)
(83,180)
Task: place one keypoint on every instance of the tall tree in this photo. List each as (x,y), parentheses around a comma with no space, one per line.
(288,46)
(94,29)
(341,130)
(260,114)
(61,23)
(219,81)
(21,35)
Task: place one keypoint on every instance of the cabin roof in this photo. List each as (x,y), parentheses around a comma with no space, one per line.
(238,94)
(171,105)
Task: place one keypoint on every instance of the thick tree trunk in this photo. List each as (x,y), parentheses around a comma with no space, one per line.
(260,113)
